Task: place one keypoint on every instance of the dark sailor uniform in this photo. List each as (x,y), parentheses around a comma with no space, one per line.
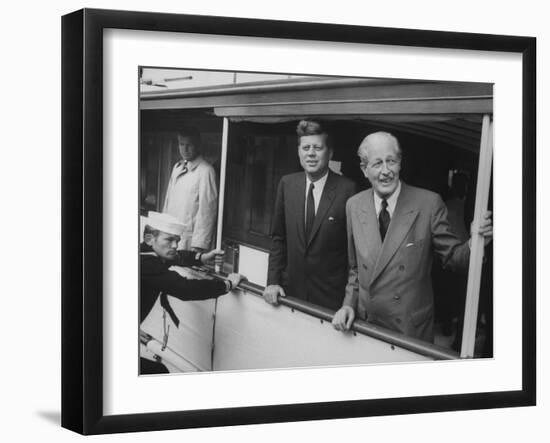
(156,279)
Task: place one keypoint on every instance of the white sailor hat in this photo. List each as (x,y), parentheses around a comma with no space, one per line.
(165,223)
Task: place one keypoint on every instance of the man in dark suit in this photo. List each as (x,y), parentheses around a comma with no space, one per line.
(308,257)
(393,231)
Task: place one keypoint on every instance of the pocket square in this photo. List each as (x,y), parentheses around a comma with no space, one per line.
(331,219)
(409,244)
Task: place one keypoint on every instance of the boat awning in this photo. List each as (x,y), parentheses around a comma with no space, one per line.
(445,111)
(330,96)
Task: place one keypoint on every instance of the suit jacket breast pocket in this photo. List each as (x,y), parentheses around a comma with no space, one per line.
(412,253)
(334,225)
(413,246)
(335,220)
(333,232)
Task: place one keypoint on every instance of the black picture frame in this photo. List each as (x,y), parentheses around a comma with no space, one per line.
(82,219)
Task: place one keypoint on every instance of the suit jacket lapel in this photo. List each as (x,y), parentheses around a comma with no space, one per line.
(297,197)
(324,204)
(404,216)
(367,217)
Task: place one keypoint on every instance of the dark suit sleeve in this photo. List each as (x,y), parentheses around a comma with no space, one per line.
(354,189)
(454,255)
(187,258)
(277,254)
(159,278)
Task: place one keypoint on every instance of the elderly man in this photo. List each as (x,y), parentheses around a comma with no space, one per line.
(393,231)
(192,194)
(308,257)
(158,253)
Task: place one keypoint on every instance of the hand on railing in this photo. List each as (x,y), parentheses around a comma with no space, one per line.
(234,280)
(343,318)
(271,294)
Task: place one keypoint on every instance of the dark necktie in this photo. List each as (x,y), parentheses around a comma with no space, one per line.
(384,219)
(310,210)
(184,169)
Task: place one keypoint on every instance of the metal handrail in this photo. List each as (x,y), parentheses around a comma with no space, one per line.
(359,326)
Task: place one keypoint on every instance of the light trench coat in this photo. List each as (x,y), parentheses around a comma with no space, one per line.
(192,198)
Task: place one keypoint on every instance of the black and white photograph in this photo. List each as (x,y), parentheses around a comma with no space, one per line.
(295,221)
(272,218)
(167,275)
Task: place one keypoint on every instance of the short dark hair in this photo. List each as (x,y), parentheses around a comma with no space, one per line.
(191,132)
(313,127)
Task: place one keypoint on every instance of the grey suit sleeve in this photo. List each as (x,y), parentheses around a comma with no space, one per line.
(454,255)
(278,252)
(352,287)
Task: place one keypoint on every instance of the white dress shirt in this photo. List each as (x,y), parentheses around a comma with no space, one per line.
(392,201)
(318,187)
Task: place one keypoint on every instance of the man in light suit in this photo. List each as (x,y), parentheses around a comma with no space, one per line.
(308,257)
(192,194)
(393,231)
